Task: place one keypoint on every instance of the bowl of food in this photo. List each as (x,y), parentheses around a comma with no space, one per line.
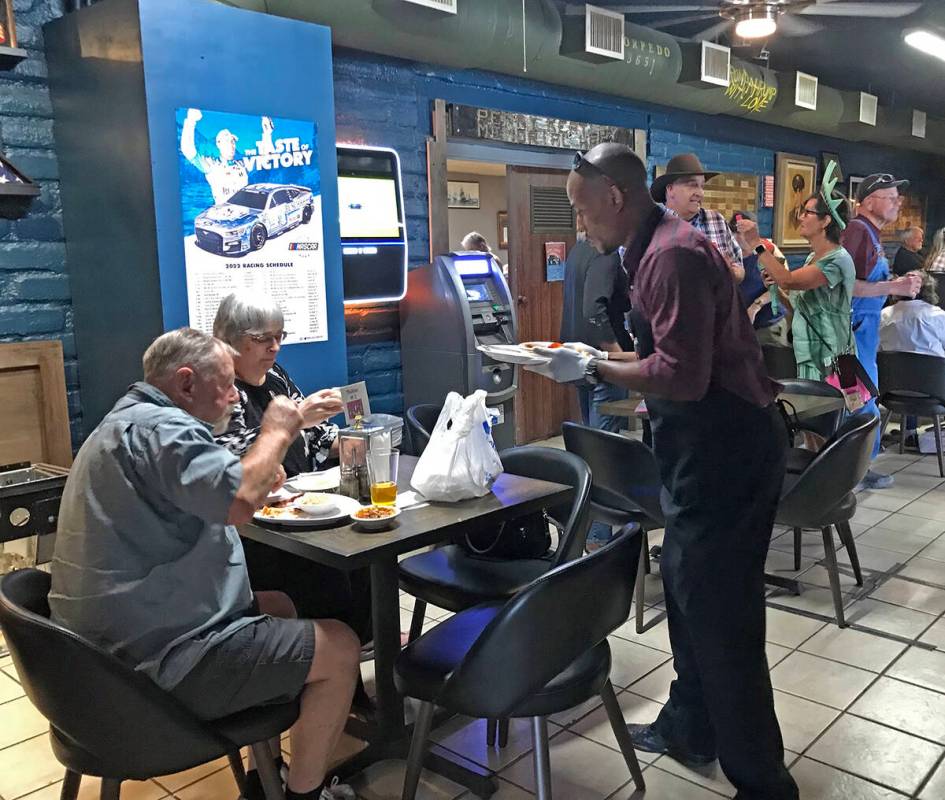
(374,518)
(317,504)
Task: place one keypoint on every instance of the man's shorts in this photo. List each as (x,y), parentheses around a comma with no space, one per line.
(263,663)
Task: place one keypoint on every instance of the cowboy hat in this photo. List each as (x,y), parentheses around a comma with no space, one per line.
(682,166)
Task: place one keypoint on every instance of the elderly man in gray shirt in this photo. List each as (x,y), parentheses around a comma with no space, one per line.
(149,565)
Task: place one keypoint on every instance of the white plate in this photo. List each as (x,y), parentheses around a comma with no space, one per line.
(512,354)
(298,519)
(375,524)
(315,481)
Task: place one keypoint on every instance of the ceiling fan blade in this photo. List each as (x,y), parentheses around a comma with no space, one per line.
(789,25)
(713,31)
(573,9)
(843,9)
(669,23)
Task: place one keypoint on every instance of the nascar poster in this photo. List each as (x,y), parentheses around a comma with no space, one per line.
(252,216)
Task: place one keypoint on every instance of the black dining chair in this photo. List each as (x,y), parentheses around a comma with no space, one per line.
(625,488)
(824,425)
(822,497)
(913,384)
(106,719)
(540,653)
(421,420)
(779,361)
(453,579)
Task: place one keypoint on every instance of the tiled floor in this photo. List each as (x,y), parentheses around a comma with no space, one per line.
(862,710)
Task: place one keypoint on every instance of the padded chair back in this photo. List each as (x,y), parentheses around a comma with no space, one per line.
(826,424)
(105,716)
(831,476)
(625,474)
(558,466)
(421,420)
(544,628)
(779,361)
(903,373)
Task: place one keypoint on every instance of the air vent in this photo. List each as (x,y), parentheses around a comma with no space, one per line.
(603,32)
(440,5)
(868,108)
(550,210)
(805,91)
(918,123)
(715,64)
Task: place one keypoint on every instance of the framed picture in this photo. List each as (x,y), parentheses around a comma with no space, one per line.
(855,181)
(795,180)
(7,24)
(462,194)
(502,224)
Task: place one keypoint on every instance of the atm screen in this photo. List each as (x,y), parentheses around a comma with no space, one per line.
(368,208)
(477,291)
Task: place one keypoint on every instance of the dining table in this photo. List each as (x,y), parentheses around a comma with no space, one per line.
(803,406)
(420,523)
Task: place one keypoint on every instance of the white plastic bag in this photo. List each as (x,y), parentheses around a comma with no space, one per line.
(460,461)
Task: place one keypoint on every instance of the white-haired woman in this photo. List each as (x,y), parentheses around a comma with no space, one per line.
(254,326)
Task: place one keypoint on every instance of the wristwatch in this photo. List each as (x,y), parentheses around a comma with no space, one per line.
(590,371)
(760,248)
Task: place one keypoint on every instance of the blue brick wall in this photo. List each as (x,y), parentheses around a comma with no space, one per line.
(35,301)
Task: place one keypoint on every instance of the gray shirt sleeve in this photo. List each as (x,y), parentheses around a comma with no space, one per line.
(190,470)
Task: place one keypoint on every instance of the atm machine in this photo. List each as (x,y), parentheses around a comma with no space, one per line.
(459,300)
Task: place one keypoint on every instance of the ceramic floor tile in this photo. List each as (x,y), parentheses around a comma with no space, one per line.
(9,689)
(882,501)
(889,618)
(781,562)
(822,782)
(819,576)
(901,705)
(801,720)
(775,653)
(663,785)
(90,789)
(935,788)
(789,630)
(506,791)
(708,777)
(385,780)
(580,769)
(181,779)
(911,595)
(19,720)
(906,523)
(656,636)
(924,569)
(922,667)
(219,785)
(655,686)
(631,661)
(859,649)
(935,550)
(812,599)
(935,635)
(926,508)
(927,467)
(904,542)
(812,545)
(636,709)
(826,682)
(876,752)
(869,516)
(27,767)
(873,559)
(565,718)
(468,739)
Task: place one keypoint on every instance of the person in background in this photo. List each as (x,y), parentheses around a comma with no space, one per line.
(915,326)
(770,326)
(682,189)
(935,262)
(148,563)
(474,241)
(595,304)
(821,291)
(907,257)
(878,206)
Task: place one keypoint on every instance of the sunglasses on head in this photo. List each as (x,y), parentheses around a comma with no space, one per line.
(580,161)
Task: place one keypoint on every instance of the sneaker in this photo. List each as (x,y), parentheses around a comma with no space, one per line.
(645,738)
(338,791)
(875,480)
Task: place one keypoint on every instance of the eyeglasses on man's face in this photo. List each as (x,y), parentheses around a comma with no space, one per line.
(276,337)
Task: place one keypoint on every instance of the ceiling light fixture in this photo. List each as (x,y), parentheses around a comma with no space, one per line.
(757,23)
(927,42)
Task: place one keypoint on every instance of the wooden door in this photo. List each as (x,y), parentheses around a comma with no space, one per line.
(539,212)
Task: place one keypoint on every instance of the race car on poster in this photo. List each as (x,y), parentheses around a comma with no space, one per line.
(253,215)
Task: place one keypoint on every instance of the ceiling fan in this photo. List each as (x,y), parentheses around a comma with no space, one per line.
(757,19)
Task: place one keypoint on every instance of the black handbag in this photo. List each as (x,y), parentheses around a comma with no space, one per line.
(524,537)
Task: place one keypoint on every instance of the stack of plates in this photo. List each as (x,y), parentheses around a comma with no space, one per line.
(325,481)
(513,354)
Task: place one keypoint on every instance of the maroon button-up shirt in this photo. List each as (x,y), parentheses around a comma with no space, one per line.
(701,333)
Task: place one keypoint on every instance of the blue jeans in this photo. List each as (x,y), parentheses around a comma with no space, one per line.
(590,397)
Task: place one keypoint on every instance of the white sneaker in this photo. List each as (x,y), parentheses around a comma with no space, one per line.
(338,791)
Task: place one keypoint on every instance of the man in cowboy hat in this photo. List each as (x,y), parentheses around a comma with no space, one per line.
(682,189)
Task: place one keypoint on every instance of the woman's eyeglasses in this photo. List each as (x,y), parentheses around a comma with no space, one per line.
(278,337)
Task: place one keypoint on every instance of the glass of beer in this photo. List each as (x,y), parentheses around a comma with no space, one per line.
(382,470)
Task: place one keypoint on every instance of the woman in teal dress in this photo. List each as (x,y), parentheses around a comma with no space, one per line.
(820,292)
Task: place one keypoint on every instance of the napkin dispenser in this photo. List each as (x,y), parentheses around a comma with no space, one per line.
(354,443)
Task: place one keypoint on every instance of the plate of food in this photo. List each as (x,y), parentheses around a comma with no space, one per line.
(375,518)
(325,481)
(512,354)
(286,512)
